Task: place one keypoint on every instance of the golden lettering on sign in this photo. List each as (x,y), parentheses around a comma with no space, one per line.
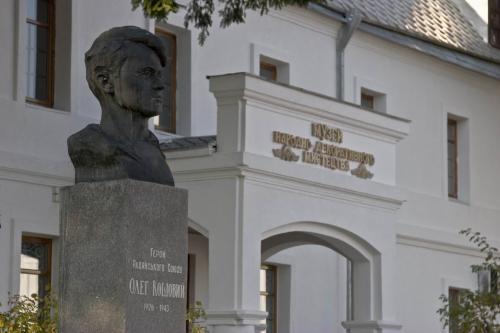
(344,153)
(323,132)
(327,155)
(292,140)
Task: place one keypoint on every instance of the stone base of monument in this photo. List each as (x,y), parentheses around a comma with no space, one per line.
(123,258)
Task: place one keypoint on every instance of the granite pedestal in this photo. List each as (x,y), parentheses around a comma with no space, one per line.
(123,258)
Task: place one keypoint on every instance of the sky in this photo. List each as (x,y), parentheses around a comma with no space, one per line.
(481,7)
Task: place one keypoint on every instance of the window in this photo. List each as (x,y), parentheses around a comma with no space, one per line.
(454,300)
(452,158)
(367,101)
(488,281)
(270,63)
(167,118)
(494,23)
(373,100)
(495,282)
(273,69)
(457,164)
(36,261)
(268,71)
(46,77)
(268,296)
(40,52)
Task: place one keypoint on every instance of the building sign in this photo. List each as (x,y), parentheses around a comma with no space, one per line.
(326,154)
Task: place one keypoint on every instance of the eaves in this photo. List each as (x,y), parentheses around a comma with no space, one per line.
(480,65)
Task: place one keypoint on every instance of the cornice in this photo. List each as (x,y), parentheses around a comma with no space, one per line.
(303,104)
(343,188)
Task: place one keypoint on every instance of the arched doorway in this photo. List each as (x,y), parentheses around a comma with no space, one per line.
(364,260)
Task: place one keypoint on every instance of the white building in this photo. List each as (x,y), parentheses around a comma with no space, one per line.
(268,184)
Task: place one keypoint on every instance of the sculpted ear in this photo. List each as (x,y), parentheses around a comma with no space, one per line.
(103,79)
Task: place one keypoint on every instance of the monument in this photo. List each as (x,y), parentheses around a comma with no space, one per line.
(123,224)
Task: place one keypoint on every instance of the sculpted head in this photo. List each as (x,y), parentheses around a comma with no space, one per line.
(124,67)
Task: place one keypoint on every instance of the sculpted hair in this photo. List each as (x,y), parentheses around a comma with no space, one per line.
(108,52)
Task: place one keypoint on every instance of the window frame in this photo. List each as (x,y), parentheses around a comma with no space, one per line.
(48,273)
(49,102)
(273,269)
(173,77)
(269,67)
(454,123)
(365,96)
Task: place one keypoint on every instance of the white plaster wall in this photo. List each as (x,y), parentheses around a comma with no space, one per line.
(425,275)
(424,89)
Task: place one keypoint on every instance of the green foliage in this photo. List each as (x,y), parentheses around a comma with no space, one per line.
(30,315)
(476,311)
(193,316)
(156,8)
(199,12)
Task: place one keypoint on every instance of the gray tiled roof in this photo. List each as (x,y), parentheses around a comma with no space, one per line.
(190,142)
(439,21)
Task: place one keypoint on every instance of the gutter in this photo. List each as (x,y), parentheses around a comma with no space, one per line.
(352,22)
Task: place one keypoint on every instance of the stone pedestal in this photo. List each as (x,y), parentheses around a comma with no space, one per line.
(123,258)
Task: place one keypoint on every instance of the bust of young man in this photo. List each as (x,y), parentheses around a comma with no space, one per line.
(124,68)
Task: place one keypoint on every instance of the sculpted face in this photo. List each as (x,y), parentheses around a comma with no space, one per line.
(138,86)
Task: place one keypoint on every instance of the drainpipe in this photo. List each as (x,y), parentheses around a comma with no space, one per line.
(353,19)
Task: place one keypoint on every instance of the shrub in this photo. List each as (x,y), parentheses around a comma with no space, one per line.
(30,315)
(476,311)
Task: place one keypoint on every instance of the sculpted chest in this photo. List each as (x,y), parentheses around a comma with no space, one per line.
(98,157)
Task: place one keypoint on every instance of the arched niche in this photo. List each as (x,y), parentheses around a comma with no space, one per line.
(365,259)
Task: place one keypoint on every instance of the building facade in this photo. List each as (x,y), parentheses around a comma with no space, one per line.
(331,154)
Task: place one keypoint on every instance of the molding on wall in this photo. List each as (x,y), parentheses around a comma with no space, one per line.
(436,245)
(235,317)
(33,177)
(358,126)
(301,103)
(341,187)
(33,170)
(308,20)
(321,190)
(437,240)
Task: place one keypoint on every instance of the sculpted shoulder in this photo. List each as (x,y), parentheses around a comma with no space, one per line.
(89,146)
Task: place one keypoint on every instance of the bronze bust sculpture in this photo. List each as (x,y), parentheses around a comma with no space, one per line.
(124,67)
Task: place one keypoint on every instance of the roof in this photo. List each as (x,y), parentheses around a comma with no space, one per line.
(437,21)
(187,143)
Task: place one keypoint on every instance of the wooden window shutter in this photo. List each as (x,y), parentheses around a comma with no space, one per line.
(494,23)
